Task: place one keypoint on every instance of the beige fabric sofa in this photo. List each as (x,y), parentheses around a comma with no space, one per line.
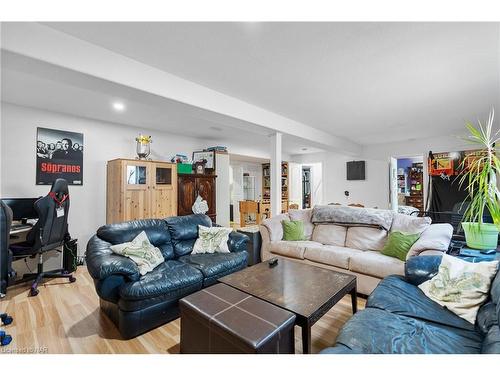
(351,249)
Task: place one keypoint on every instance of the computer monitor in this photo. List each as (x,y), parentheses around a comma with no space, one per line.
(22,208)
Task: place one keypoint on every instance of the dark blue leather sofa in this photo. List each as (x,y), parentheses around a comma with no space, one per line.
(137,304)
(399,318)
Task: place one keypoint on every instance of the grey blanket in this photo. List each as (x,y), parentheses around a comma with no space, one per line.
(352,216)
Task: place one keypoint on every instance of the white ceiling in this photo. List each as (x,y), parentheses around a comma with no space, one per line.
(368,82)
(30,82)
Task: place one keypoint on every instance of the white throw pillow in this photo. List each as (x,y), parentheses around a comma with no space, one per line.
(460,286)
(410,224)
(329,234)
(211,240)
(435,237)
(140,250)
(305,217)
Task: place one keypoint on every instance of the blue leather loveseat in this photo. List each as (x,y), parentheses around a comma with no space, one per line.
(399,318)
(137,303)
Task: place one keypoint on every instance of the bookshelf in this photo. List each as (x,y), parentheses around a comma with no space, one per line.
(266,185)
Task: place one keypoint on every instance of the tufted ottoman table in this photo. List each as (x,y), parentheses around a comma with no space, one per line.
(221,319)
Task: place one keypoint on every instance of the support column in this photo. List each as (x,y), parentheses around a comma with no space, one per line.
(276,174)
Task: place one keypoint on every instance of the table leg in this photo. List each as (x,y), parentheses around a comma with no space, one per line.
(354,300)
(306,338)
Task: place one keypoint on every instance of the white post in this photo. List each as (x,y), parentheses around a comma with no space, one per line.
(276,174)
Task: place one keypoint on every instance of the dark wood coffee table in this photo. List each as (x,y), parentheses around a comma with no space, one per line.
(307,291)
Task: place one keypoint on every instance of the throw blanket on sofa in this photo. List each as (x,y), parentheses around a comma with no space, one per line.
(352,216)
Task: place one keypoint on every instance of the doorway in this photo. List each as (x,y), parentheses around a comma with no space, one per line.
(407,183)
(306,187)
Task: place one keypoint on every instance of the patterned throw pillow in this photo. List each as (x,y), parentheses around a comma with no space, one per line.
(460,286)
(211,240)
(140,250)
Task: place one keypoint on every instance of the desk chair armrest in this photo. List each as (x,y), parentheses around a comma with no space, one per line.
(102,262)
(237,242)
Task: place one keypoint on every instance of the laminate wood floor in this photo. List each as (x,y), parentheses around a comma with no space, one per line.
(65,318)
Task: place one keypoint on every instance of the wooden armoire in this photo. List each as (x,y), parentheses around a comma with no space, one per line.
(140,189)
(188,189)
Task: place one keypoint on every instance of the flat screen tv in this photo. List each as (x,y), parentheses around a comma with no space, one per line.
(356,170)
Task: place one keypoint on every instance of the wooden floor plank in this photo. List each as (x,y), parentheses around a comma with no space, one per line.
(66,318)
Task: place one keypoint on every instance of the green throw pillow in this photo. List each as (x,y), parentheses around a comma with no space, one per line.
(293,230)
(398,244)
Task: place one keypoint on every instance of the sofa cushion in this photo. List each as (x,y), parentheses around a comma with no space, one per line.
(365,238)
(376,331)
(155,229)
(486,317)
(169,278)
(434,237)
(395,295)
(292,249)
(330,234)
(305,217)
(491,343)
(274,226)
(337,256)
(410,224)
(375,264)
(186,227)
(461,286)
(214,266)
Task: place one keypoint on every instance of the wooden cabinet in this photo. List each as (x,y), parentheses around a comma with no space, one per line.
(189,186)
(140,189)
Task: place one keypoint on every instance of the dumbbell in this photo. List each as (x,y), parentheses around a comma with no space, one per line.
(6,319)
(4,338)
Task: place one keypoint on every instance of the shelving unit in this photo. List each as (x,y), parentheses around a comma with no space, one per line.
(416,198)
(266,185)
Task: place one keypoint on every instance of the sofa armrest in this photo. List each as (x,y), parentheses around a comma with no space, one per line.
(102,262)
(421,268)
(237,242)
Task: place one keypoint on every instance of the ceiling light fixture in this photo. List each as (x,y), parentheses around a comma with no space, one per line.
(119,106)
(216,128)
(304,148)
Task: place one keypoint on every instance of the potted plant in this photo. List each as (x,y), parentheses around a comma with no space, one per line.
(479,176)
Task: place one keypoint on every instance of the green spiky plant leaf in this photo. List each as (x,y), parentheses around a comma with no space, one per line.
(480,177)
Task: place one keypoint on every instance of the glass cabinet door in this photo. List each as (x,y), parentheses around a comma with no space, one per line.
(136,175)
(163,176)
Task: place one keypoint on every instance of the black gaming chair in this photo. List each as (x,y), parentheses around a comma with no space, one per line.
(47,234)
(5,223)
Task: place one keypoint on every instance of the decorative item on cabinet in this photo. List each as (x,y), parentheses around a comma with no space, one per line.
(143,146)
(189,186)
(140,189)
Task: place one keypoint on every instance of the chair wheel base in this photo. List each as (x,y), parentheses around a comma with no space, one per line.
(72,279)
(34,292)
(6,319)
(5,339)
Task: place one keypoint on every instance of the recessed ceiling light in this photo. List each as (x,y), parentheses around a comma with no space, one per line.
(118,106)
(216,128)
(304,148)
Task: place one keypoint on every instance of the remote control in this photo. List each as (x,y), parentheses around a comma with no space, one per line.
(273,262)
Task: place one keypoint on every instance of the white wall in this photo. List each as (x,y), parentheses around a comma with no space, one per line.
(102,142)
(222,191)
(371,192)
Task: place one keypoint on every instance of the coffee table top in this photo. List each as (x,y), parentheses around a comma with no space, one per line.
(300,288)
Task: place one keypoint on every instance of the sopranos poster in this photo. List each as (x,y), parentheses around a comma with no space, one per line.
(59,154)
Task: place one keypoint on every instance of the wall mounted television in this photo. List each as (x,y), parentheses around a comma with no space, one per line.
(356,170)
